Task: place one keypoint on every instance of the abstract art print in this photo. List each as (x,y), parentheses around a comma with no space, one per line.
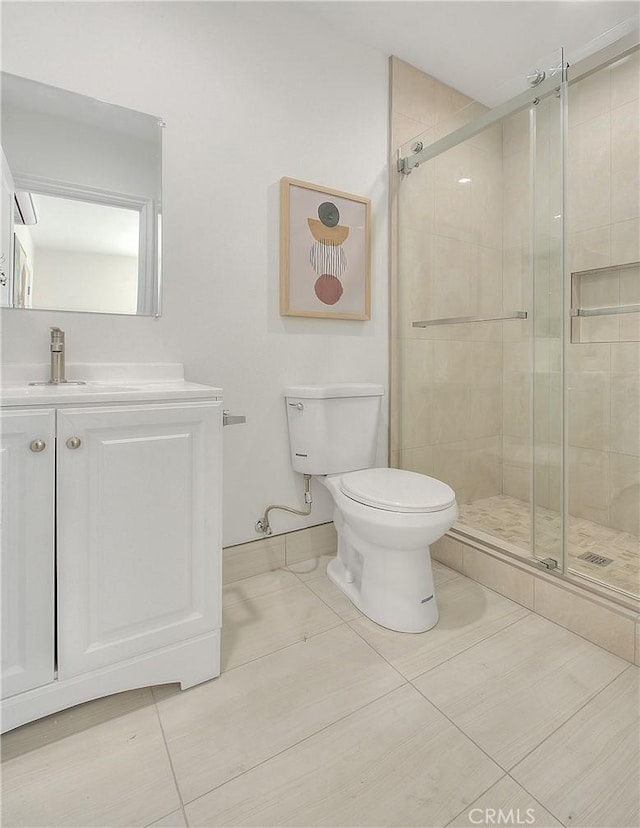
(325,256)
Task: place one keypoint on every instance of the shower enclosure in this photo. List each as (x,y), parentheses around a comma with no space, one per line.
(516,321)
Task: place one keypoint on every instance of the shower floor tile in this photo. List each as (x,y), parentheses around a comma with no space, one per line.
(509,519)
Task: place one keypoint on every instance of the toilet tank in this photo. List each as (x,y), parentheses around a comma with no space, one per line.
(333,428)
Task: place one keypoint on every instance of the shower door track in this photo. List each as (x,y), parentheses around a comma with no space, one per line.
(491,546)
(613,51)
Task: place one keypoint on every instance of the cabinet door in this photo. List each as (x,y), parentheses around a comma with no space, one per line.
(28,562)
(139,535)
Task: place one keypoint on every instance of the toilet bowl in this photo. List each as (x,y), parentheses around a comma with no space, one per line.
(385,519)
(383,563)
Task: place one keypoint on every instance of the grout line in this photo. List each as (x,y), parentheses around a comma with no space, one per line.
(173,772)
(321,572)
(379,654)
(466,649)
(337,619)
(299,742)
(506,776)
(535,799)
(588,701)
(475,644)
(404,681)
(260,594)
(371,647)
(304,637)
(225,670)
(584,638)
(367,643)
(493,759)
(349,623)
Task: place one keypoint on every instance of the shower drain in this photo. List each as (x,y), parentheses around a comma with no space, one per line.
(598,560)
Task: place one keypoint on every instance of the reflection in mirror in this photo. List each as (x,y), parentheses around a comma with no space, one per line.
(77,256)
(81,202)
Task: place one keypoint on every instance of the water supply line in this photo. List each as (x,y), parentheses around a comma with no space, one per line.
(263,526)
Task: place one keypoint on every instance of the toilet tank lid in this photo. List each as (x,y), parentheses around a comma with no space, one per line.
(335,389)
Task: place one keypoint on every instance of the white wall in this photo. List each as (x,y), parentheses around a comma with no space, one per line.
(81,279)
(250,92)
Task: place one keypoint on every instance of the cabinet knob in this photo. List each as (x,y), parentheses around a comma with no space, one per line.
(74,442)
(37,445)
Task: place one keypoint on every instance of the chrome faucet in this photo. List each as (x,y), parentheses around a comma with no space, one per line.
(56,347)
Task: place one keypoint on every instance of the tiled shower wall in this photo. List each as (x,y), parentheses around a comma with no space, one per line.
(447,416)
(604,230)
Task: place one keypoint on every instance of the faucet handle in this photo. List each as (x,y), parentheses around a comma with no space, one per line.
(57,339)
(56,344)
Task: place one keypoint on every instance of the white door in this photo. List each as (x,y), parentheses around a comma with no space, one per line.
(139,534)
(27,469)
(6,234)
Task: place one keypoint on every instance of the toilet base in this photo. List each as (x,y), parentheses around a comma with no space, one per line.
(398,598)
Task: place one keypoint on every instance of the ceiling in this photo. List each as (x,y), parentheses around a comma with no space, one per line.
(481,48)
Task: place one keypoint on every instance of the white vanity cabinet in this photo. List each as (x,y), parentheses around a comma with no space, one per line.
(137,550)
(27,463)
(137,518)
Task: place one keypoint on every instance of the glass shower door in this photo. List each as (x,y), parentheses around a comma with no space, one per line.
(478,328)
(547,142)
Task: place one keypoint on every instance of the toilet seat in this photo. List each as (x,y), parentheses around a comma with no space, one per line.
(396,490)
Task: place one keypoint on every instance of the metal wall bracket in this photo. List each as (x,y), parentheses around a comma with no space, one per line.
(549,563)
(404,166)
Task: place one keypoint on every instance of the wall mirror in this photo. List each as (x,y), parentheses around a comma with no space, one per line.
(81,202)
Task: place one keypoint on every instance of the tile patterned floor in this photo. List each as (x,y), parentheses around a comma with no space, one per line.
(509,520)
(323,718)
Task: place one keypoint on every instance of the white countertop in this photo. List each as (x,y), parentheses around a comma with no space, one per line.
(103,383)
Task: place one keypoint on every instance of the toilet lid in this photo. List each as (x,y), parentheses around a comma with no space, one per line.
(397,491)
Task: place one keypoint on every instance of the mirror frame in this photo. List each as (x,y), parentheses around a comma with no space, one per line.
(148,303)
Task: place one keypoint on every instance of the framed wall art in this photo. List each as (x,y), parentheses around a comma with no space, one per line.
(325,252)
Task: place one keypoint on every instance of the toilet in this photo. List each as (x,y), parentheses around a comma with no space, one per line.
(386,519)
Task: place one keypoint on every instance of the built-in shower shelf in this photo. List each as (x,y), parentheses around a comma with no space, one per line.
(605,311)
(457,320)
(601,301)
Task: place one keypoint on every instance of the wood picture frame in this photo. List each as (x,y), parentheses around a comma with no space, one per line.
(325,252)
